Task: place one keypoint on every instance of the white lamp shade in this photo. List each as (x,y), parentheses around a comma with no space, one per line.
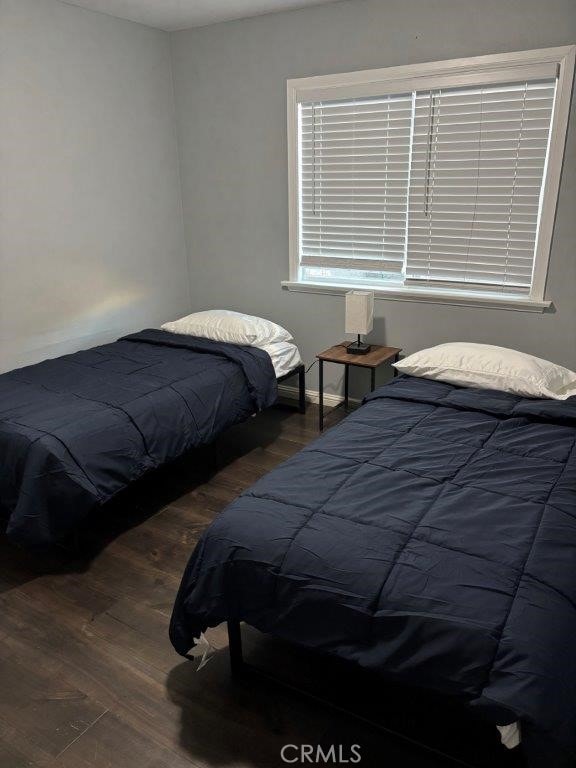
(359,312)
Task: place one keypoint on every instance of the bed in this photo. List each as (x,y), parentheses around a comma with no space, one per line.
(76,430)
(429,538)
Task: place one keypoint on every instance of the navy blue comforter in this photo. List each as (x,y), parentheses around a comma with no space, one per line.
(431,537)
(76,430)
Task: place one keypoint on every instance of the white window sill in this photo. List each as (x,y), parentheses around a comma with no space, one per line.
(399,293)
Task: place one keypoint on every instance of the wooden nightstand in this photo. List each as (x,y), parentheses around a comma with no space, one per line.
(376,357)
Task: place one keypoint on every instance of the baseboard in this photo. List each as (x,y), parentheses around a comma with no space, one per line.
(312,396)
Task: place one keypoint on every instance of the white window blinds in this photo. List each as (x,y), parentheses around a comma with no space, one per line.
(354,170)
(478,158)
(441,187)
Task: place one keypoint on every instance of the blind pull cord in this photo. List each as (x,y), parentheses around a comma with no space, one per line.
(431,120)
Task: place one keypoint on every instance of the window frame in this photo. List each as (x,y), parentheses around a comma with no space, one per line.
(478,70)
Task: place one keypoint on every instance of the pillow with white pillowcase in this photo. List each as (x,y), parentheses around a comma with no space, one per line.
(231,327)
(489,367)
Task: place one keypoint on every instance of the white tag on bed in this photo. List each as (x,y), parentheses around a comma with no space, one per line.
(203,650)
(510,735)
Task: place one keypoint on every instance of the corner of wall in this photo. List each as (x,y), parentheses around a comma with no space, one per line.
(178,139)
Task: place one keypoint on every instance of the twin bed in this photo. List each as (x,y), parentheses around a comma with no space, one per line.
(77,430)
(429,538)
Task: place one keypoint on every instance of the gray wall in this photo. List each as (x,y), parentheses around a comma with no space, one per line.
(231,111)
(91,235)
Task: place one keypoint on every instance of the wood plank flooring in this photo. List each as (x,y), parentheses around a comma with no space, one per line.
(88,678)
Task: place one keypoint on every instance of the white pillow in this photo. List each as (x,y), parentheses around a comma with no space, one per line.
(232,327)
(489,367)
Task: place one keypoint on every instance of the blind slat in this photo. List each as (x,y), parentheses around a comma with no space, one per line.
(349,262)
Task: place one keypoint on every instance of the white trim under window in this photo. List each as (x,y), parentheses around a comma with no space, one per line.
(433,182)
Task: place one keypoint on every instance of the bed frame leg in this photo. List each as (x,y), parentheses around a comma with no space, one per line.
(302,389)
(235,647)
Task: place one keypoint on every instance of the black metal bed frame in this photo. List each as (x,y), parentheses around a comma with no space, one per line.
(535,753)
(300,370)
(240,668)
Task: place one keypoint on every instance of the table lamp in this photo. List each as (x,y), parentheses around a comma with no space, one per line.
(359,319)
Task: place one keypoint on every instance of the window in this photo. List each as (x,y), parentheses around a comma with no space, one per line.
(434,181)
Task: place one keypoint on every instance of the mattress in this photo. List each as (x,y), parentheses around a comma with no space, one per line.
(284,355)
(430,538)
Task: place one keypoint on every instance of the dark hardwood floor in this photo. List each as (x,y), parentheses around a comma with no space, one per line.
(88,678)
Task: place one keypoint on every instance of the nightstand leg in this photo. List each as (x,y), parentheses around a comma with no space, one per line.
(321,395)
(346,379)
(302,389)
(372,379)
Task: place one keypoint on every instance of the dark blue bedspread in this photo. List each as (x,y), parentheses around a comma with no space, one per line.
(431,537)
(76,430)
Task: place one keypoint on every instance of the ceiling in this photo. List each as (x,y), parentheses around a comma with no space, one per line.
(172,15)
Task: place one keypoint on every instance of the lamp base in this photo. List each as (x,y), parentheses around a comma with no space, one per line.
(358,348)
